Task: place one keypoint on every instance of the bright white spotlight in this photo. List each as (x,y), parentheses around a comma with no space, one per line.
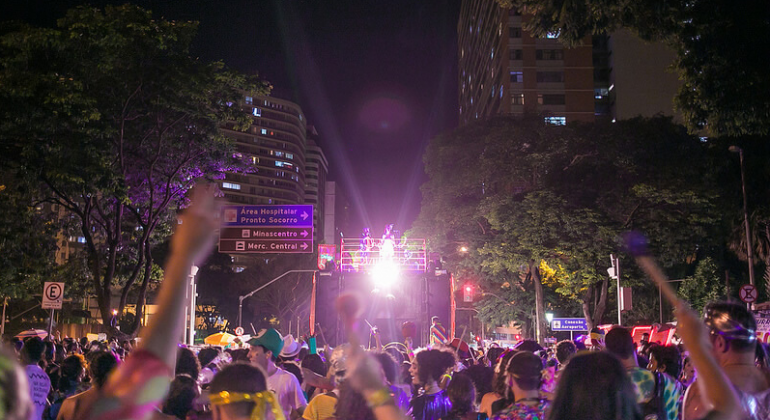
(385,274)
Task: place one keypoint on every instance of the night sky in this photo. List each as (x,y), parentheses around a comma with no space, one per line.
(376,78)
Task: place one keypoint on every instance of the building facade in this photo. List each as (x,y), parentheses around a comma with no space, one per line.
(274,149)
(504,70)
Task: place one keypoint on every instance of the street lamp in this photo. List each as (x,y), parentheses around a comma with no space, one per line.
(549,317)
(749,249)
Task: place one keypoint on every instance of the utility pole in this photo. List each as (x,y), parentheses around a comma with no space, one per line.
(241,298)
(749,248)
(615,274)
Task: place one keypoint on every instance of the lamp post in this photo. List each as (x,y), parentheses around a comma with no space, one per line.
(749,249)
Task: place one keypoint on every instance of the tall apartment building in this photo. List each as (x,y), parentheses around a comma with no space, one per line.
(316,169)
(503,70)
(287,164)
(275,147)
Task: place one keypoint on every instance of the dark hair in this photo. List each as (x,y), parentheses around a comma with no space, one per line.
(315,363)
(187,363)
(565,349)
(594,386)
(498,380)
(389,366)
(292,368)
(619,342)
(493,354)
(526,369)
(181,394)
(462,395)
(351,405)
(432,364)
(736,317)
(100,365)
(33,350)
(239,377)
(669,357)
(482,377)
(72,370)
(207,355)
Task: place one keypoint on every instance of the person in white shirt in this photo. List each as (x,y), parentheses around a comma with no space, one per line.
(39,382)
(264,350)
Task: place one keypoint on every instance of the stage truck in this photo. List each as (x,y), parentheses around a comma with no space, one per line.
(402,286)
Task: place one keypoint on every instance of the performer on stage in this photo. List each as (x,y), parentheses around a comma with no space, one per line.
(437,332)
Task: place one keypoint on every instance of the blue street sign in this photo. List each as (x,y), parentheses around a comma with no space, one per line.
(299,215)
(569,324)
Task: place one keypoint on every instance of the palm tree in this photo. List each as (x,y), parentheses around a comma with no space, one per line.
(759,221)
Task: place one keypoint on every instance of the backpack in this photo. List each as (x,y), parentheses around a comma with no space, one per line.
(655,409)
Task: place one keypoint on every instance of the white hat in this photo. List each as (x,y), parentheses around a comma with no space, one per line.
(290,347)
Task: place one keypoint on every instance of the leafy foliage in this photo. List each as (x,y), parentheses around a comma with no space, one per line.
(704,286)
(516,191)
(115,121)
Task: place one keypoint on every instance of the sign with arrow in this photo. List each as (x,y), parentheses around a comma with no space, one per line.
(266,229)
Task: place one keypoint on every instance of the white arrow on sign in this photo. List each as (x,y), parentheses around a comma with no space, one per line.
(304,233)
(304,246)
(304,215)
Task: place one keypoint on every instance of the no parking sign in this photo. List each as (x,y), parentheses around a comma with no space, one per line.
(53,295)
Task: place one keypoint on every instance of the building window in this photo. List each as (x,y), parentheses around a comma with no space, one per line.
(552,35)
(264,131)
(289,155)
(231,186)
(517,99)
(550,99)
(78,239)
(514,32)
(556,120)
(249,100)
(549,54)
(601,93)
(257,112)
(517,77)
(515,54)
(550,77)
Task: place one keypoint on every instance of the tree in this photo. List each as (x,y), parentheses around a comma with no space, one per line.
(525,195)
(720,50)
(704,286)
(115,121)
(27,243)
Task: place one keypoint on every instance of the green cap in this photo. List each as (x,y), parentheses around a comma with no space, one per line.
(270,339)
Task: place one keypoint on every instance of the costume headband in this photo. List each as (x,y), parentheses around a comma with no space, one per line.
(260,399)
(723,324)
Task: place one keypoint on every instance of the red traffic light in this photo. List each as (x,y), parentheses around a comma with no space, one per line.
(468,289)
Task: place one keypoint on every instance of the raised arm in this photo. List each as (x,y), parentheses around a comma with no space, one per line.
(190,244)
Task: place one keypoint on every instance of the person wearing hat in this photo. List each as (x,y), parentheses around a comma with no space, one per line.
(732,332)
(264,351)
(524,377)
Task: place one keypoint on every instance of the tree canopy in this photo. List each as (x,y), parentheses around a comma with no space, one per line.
(110,115)
(536,203)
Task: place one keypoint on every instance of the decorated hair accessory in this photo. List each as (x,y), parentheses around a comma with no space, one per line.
(723,324)
(259,399)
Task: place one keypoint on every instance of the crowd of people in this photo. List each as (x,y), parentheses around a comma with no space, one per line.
(719,371)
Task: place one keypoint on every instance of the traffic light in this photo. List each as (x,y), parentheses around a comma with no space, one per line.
(468,293)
